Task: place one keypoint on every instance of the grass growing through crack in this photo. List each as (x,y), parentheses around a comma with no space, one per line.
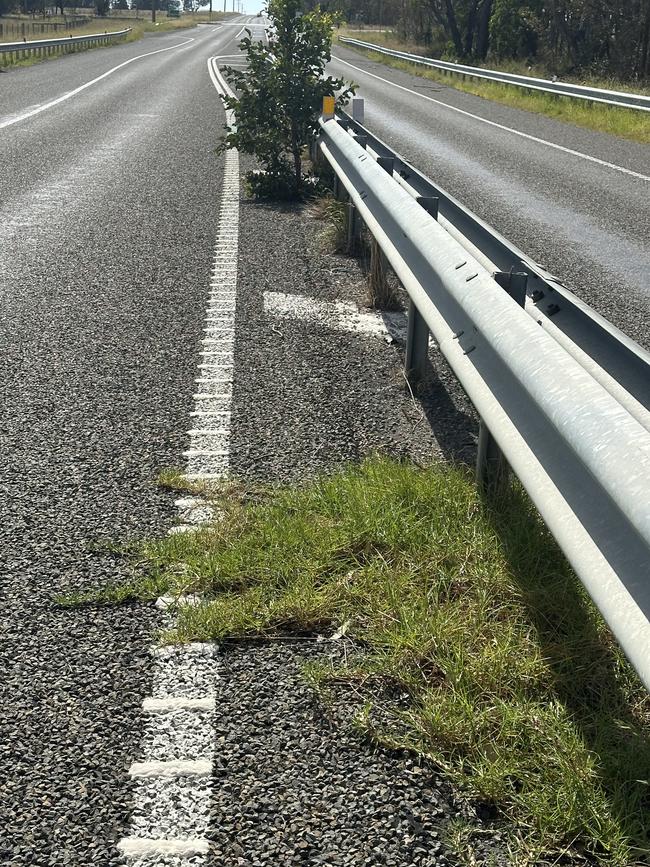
(514,685)
(332,214)
(626,123)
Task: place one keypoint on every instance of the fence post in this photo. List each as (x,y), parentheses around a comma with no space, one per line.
(492,469)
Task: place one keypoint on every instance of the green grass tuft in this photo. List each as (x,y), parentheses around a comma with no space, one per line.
(332,213)
(477,646)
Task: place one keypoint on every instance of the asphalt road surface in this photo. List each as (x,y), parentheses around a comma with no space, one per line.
(109,196)
(586,221)
(108,212)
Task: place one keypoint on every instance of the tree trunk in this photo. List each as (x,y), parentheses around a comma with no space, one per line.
(470,28)
(483,35)
(644,61)
(452,25)
(297,158)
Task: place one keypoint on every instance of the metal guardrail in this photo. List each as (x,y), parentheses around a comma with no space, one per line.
(619,363)
(559,88)
(48,46)
(576,446)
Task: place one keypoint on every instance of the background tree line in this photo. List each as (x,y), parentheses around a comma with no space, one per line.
(600,37)
(101,7)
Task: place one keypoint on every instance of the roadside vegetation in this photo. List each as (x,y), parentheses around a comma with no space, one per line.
(139,27)
(280,96)
(474,645)
(625,123)
(578,38)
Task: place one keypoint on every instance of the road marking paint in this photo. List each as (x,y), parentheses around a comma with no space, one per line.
(77,90)
(337,315)
(194,648)
(138,847)
(192,600)
(524,135)
(163,705)
(174,793)
(171,798)
(179,529)
(176,768)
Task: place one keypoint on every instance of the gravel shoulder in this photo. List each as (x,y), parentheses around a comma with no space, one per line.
(308,397)
(294,785)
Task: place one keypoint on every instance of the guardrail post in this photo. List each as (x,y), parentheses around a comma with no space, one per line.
(357,109)
(353,228)
(417,333)
(378,288)
(492,470)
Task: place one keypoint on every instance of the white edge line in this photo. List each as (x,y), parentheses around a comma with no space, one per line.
(77,90)
(525,135)
(165,705)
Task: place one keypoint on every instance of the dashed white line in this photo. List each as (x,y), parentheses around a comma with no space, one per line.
(171,812)
(175,768)
(162,705)
(138,847)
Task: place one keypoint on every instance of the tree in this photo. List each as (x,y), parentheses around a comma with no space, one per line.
(281,94)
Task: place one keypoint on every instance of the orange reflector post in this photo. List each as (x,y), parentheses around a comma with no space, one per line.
(328,107)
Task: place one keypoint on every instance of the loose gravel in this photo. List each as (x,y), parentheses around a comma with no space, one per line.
(295,785)
(307,398)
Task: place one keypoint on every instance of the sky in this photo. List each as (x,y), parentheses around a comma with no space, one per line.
(249,7)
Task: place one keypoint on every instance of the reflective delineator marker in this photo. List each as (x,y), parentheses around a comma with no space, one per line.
(328,107)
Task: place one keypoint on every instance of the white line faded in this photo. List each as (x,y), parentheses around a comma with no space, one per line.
(138,847)
(175,768)
(337,315)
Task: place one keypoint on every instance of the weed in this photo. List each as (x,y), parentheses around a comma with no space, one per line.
(517,689)
(333,214)
(481,650)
